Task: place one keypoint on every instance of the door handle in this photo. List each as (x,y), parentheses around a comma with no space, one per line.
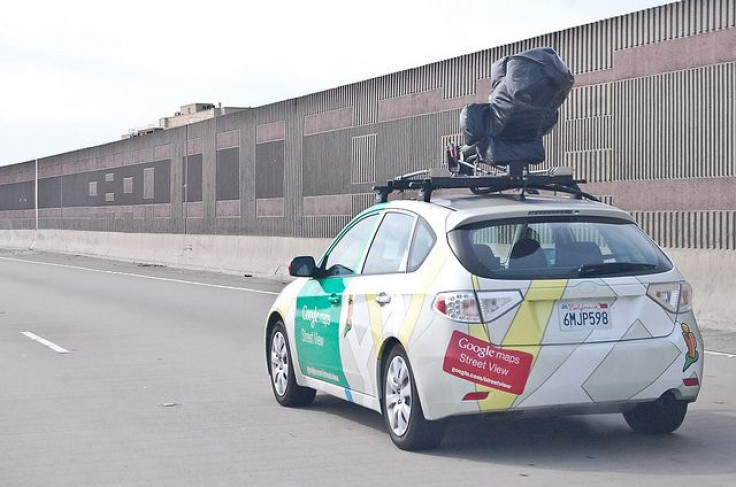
(383,298)
(334,298)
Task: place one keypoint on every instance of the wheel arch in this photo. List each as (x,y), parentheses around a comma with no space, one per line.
(381,355)
(273,318)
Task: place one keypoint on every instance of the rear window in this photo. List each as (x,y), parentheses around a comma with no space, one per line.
(556,248)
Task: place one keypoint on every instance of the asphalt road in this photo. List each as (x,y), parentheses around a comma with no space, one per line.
(164,384)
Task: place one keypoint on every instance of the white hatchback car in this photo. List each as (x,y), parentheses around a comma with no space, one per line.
(478,304)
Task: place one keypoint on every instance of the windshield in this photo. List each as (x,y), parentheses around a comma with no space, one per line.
(556,248)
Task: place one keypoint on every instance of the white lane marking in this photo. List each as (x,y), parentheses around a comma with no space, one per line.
(45,342)
(153,278)
(719,354)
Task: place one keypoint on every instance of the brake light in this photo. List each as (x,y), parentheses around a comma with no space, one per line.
(458,306)
(675,297)
(480,307)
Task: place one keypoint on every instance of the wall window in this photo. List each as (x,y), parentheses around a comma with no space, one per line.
(93,188)
(148,183)
(128,185)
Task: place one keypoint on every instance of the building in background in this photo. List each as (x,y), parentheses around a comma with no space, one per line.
(188,114)
(196,112)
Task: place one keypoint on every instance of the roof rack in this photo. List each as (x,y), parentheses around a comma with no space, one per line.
(517,176)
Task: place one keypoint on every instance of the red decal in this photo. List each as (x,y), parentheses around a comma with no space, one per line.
(692,381)
(478,361)
(476,396)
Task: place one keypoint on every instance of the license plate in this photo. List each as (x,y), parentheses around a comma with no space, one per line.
(576,316)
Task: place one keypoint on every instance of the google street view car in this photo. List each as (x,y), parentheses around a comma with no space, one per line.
(502,300)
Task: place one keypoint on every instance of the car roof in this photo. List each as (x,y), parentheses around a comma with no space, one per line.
(465,209)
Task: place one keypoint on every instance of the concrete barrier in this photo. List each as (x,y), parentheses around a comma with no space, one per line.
(16,239)
(255,256)
(710,272)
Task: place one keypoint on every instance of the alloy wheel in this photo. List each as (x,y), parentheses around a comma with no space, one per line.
(279,364)
(398,395)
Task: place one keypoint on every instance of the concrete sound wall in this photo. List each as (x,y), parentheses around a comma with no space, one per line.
(241,254)
(710,272)
(650,123)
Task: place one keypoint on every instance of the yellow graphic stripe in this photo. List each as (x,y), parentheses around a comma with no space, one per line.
(411,318)
(287,301)
(374,315)
(478,330)
(433,268)
(527,328)
(476,283)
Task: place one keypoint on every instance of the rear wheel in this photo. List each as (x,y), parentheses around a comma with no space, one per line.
(662,416)
(287,392)
(402,411)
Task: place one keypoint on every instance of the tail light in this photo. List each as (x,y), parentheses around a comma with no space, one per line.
(675,297)
(494,304)
(472,307)
(458,306)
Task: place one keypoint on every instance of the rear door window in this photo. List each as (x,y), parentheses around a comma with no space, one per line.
(390,246)
(422,243)
(555,248)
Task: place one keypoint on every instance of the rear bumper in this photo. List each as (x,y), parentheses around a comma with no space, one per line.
(586,378)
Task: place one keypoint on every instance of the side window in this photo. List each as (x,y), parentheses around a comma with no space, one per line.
(390,245)
(424,239)
(344,258)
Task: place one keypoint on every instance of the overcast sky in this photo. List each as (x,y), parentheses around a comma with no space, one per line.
(80,73)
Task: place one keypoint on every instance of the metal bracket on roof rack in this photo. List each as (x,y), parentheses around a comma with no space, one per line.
(519,177)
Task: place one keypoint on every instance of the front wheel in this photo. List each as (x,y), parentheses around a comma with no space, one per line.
(402,411)
(287,392)
(662,416)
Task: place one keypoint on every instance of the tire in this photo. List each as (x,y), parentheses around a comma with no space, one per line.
(283,382)
(660,417)
(402,411)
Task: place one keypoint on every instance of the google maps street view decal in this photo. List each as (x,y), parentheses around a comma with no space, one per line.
(480,362)
(692,347)
(316,326)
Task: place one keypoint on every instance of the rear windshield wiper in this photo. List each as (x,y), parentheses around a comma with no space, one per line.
(614,268)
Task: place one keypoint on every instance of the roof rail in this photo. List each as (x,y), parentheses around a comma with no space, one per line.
(559,179)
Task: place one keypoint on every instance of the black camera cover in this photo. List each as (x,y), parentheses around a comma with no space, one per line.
(527,91)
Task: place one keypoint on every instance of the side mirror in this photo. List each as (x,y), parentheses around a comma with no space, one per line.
(303,266)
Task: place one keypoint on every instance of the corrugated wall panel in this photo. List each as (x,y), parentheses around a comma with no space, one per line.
(690,229)
(662,125)
(678,124)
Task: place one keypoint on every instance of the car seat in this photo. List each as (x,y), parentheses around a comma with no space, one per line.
(577,254)
(527,254)
(486,257)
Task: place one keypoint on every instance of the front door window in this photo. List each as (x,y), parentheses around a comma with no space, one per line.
(320,303)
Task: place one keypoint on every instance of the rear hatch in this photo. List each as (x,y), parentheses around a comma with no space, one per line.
(563,279)
(565,312)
